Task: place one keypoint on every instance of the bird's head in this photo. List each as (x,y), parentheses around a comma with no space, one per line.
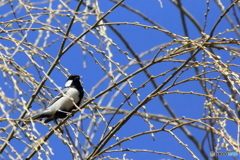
(72,80)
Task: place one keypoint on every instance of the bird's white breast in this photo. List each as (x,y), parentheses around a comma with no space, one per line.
(73,92)
(66,102)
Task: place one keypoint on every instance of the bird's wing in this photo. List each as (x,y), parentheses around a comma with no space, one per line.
(43,114)
(60,95)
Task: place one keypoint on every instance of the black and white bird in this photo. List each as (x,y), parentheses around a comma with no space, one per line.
(62,104)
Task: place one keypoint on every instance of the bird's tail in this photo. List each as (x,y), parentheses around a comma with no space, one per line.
(40,115)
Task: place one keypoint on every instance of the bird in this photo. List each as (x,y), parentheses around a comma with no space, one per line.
(62,105)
